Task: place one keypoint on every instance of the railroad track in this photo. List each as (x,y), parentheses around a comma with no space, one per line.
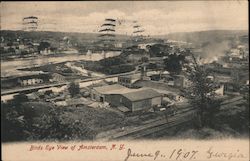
(183,115)
(152,130)
(233,100)
(158,127)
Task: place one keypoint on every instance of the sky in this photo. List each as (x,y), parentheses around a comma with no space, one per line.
(157,18)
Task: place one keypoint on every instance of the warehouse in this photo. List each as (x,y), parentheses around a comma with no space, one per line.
(136,100)
(100,93)
(125,98)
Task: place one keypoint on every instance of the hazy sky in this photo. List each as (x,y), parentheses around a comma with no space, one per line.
(160,17)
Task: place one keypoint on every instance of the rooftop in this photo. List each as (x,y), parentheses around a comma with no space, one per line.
(158,86)
(112,89)
(134,76)
(141,94)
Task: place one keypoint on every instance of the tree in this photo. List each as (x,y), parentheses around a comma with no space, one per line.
(159,50)
(74,89)
(201,94)
(43,46)
(107,62)
(17,101)
(173,63)
(12,119)
(20,98)
(57,126)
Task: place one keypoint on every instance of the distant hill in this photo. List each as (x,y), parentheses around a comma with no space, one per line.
(204,36)
(193,37)
(40,35)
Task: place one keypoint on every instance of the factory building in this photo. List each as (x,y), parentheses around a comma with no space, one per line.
(126,99)
(129,80)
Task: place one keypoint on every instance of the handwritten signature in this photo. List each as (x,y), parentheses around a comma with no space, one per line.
(212,154)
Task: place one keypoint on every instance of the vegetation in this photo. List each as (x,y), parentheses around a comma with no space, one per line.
(174,62)
(74,89)
(112,65)
(201,95)
(159,50)
(12,119)
(21,124)
(43,45)
(31,121)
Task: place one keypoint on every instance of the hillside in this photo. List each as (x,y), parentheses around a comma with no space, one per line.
(204,36)
(40,35)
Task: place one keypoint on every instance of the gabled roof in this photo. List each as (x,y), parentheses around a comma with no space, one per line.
(141,94)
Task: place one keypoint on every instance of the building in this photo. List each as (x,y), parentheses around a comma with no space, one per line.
(29,81)
(128,80)
(33,79)
(100,93)
(127,99)
(25,79)
(163,88)
(168,79)
(220,78)
(137,100)
(181,81)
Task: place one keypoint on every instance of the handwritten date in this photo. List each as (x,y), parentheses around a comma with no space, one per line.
(175,154)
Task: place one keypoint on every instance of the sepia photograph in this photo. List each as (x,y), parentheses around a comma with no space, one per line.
(134,73)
